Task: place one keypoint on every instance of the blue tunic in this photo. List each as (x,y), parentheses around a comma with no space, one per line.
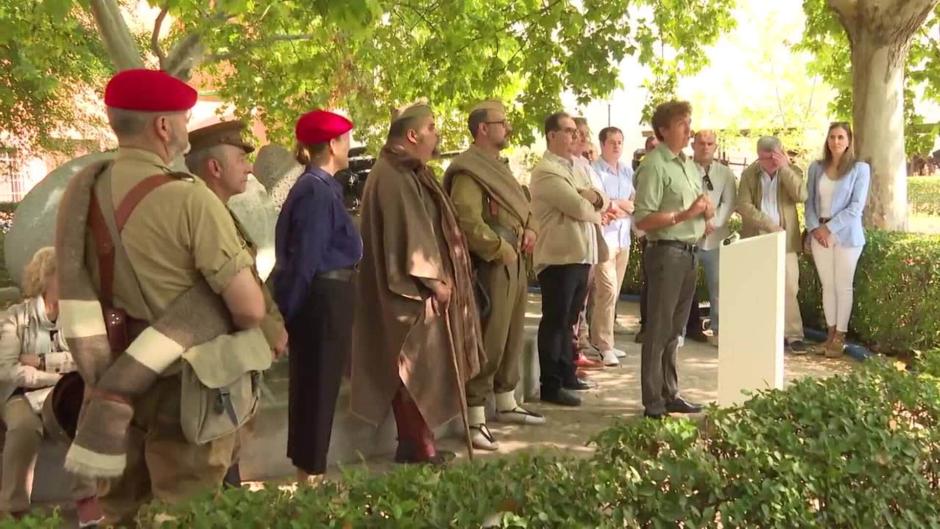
(314,234)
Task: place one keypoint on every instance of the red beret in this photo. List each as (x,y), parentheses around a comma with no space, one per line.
(321,126)
(148,91)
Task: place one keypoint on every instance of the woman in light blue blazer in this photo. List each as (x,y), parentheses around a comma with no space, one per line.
(837,193)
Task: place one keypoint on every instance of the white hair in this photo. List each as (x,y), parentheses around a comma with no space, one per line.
(769,144)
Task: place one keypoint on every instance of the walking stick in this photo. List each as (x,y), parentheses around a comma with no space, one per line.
(460,385)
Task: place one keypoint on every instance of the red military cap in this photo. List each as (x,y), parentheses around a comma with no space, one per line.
(321,126)
(149,91)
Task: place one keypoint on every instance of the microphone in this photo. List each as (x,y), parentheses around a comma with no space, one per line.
(731,239)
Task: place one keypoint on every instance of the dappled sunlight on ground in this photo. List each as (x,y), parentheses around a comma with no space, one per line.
(617,395)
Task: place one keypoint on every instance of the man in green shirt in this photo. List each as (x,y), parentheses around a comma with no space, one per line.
(672,209)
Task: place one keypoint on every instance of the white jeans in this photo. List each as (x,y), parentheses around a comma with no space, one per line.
(793,320)
(836,268)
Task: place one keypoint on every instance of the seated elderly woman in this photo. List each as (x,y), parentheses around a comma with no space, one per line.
(33,358)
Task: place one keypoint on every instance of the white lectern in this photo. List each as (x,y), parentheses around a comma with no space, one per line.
(750,350)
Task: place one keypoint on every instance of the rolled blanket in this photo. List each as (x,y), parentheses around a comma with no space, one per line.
(113,381)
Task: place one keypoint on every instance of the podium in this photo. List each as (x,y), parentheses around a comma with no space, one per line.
(750,351)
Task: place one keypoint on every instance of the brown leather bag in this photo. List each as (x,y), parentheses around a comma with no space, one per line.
(121,328)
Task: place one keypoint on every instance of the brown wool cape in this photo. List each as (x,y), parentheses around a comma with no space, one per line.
(409,233)
(496,179)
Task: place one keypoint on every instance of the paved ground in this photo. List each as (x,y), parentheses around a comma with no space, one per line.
(617,395)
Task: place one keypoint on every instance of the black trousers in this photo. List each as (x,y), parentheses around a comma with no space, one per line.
(320,338)
(564,289)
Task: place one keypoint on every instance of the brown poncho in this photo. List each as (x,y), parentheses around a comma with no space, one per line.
(410,233)
(496,179)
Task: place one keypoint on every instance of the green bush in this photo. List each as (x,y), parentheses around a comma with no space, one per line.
(897,292)
(860,450)
(8,207)
(923,195)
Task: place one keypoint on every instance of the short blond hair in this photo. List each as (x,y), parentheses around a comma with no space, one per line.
(37,273)
(704,132)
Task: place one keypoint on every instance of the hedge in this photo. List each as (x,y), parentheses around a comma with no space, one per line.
(897,292)
(857,450)
(923,195)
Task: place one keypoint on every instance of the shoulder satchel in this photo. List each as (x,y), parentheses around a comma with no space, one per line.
(220,380)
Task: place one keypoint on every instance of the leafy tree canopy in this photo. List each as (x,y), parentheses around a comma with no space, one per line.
(827,40)
(274,60)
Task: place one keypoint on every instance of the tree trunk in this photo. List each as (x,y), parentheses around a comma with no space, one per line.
(880,33)
(117,38)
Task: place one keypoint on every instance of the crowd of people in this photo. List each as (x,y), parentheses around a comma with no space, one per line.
(150,304)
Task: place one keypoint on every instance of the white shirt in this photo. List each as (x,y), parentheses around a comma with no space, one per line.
(768,199)
(827,187)
(582,168)
(618,185)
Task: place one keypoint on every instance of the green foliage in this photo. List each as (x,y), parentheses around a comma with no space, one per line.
(896,298)
(274,60)
(50,55)
(825,38)
(860,450)
(455,53)
(897,292)
(923,195)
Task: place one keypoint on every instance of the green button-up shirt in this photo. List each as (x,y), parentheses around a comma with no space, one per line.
(669,182)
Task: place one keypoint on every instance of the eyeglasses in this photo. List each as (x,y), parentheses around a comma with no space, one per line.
(500,122)
(569,131)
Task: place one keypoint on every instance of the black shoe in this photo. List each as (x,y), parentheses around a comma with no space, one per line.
(681,406)
(655,416)
(233,478)
(561,397)
(579,385)
(439,459)
(798,347)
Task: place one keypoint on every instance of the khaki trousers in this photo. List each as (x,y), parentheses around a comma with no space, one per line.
(793,322)
(161,463)
(608,279)
(25,431)
(503,330)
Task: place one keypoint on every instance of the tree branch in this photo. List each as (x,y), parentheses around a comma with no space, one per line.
(185,55)
(155,36)
(115,34)
(216,57)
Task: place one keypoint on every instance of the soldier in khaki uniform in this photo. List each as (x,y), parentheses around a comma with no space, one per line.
(177,233)
(219,155)
(494,215)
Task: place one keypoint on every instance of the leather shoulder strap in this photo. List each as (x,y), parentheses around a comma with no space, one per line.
(107,235)
(135,195)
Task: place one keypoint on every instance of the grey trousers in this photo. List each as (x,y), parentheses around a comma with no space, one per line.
(671,275)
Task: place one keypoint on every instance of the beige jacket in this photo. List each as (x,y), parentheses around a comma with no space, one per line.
(791,190)
(19,328)
(569,224)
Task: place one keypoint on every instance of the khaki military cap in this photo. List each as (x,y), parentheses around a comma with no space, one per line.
(492,104)
(418,109)
(224,133)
